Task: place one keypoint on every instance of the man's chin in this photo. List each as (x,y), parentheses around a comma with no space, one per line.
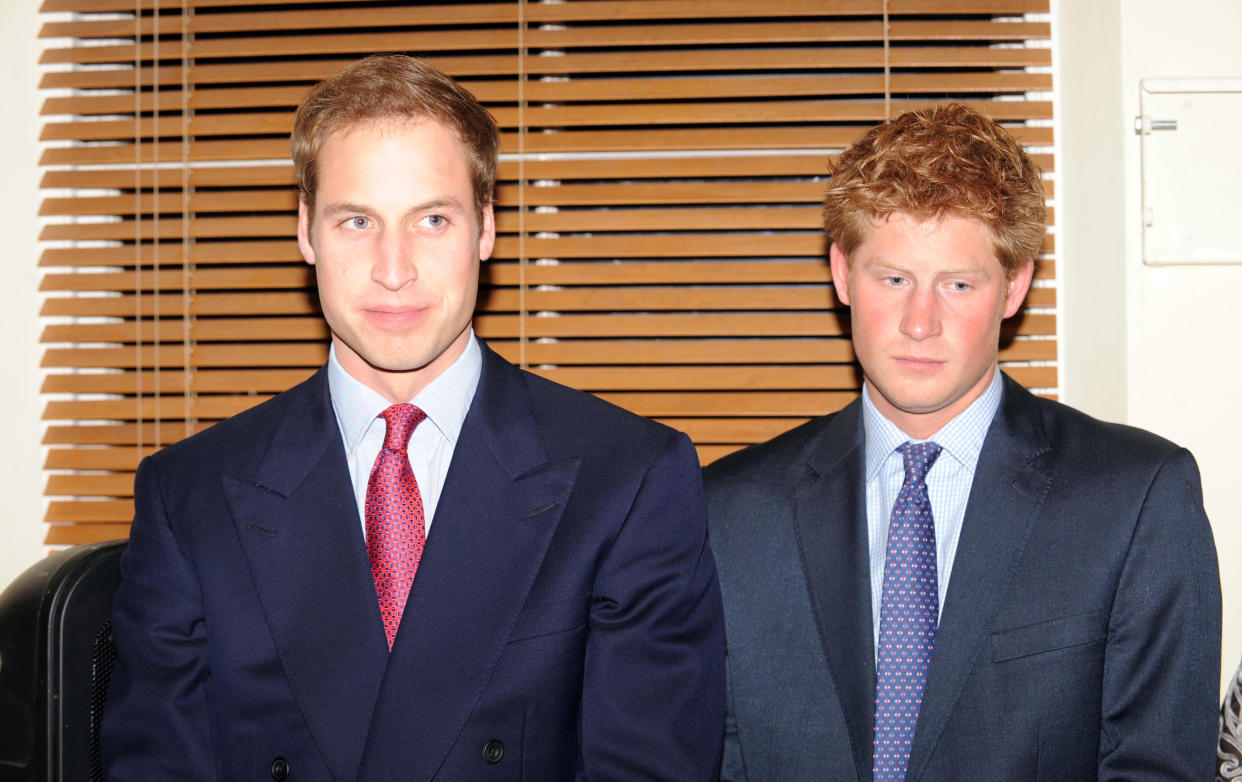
(399,365)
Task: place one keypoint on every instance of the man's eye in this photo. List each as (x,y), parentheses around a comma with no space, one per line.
(435,221)
(359,222)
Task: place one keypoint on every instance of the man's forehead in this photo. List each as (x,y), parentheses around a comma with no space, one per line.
(930,220)
(379,126)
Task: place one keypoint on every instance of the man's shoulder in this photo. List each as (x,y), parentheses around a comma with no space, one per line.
(776,461)
(1078,436)
(568,414)
(245,435)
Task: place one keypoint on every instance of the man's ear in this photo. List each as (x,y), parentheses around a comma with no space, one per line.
(304,242)
(487,233)
(840,266)
(1017,287)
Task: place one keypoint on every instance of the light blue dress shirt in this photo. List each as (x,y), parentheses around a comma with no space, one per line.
(948,483)
(445,400)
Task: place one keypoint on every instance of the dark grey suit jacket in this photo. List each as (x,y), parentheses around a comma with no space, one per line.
(1079,638)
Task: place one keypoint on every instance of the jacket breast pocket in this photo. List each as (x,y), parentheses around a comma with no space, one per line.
(549,618)
(1050,636)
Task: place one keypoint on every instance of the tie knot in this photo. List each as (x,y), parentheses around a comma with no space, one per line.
(401,421)
(918,459)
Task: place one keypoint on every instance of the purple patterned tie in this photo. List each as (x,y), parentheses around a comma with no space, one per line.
(908,614)
(394,511)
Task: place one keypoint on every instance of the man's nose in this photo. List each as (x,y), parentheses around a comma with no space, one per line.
(921,315)
(395,265)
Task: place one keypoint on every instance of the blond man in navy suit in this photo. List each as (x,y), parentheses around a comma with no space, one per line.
(564,619)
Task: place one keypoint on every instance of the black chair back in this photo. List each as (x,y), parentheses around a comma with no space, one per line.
(56,657)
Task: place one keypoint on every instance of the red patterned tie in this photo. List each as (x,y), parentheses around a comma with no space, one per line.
(394,511)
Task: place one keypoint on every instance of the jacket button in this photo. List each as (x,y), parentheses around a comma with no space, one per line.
(280,769)
(493,751)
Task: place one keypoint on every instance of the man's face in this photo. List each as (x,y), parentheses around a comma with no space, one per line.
(926,302)
(396,243)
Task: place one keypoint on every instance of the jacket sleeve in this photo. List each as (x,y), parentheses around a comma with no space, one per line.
(156,723)
(1162,660)
(653,690)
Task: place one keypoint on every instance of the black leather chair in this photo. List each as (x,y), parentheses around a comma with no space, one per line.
(56,657)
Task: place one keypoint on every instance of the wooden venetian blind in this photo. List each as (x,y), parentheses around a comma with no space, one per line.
(659,204)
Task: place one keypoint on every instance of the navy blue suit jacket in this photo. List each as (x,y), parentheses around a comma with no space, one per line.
(566,613)
(1079,638)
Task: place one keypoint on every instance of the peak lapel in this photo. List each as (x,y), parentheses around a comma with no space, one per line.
(500,506)
(298,523)
(830,519)
(1008,490)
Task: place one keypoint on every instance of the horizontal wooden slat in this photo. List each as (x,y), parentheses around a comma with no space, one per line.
(639,9)
(171,252)
(836,31)
(640,60)
(78,534)
(267,303)
(274,354)
(152,408)
(629,245)
(758,164)
(707,325)
(610,194)
(732,218)
(712,324)
(127,435)
(173,382)
(496,272)
(571,352)
(553,116)
(604,194)
(576,90)
(268,329)
(605,229)
(298,36)
(508,16)
(577,141)
(122,459)
(690,351)
(732,430)
(656,404)
(116,511)
(740,378)
(102,485)
(615,352)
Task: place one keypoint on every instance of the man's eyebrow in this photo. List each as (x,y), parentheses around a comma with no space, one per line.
(344,207)
(443,202)
(349,207)
(885,265)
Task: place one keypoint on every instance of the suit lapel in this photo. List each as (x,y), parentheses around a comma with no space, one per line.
(298,524)
(830,520)
(500,506)
(1009,488)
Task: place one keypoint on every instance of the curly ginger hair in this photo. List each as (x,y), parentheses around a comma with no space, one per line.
(947,159)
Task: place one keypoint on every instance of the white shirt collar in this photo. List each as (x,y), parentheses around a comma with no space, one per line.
(961,438)
(445,400)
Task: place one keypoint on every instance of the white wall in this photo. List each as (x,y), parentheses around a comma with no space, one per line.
(21,458)
(1170,371)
